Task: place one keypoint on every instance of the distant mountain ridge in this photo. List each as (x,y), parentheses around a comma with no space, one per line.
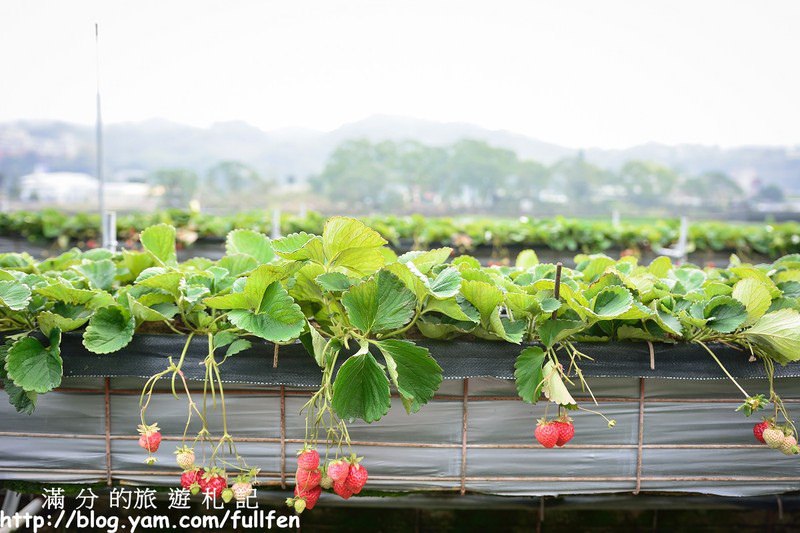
(152,144)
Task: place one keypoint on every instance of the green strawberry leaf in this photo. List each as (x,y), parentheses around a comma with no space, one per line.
(528,373)
(689,279)
(99,273)
(159,240)
(724,314)
(250,243)
(415,374)
(414,280)
(505,328)
(612,302)
(161,278)
(425,261)
(778,334)
(233,300)
(110,329)
(755,296)
(526,259)
(553,331)
(34,367)
(351,245)
(483,296)
(361,389)
(380,304)
(14,295)
(23,401)
(63,291)
(456,308)
(446,283)
(237,264)
(239,345)
(334,282)
(660,266)
(300,247)
(315,344)
(47,321)
(276,319)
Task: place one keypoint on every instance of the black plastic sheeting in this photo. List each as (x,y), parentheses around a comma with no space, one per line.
(148,354)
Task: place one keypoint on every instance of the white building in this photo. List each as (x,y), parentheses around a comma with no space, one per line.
(78,189)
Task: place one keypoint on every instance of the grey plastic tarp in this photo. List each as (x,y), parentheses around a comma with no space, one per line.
(508,422)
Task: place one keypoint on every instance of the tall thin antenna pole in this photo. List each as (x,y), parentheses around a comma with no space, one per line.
(101,183)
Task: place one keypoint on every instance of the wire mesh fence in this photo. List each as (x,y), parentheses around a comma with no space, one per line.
(476,436)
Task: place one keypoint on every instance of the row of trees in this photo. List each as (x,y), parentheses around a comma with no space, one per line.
(473,173)
(223,181)
(469,174)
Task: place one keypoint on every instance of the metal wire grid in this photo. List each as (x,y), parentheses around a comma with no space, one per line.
(460,482)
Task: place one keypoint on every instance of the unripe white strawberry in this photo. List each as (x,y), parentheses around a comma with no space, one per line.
(184,456)
(773,437)
(788,446)
(242,490)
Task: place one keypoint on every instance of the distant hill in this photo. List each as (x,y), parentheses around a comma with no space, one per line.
(158,143)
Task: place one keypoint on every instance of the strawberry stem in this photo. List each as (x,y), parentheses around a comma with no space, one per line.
(725,370)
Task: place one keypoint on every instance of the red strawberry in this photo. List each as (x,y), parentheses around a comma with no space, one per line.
(546,433)
(150,437)
(356,479)
(758,430)
(191,477)
(307,479)
(310,496)
(565,431)
(338,470)
(342,490)
(213,482)
(308,459)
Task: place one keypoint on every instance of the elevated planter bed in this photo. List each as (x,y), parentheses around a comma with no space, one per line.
(676,427)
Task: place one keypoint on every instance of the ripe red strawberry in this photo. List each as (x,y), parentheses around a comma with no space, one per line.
(150,437)
(214,482)
(338,470)
(546,433)
(191,477)
(310,497)
(307,479)
(308,459)
(356,479)
(565,431)
(342,490)
(758,431)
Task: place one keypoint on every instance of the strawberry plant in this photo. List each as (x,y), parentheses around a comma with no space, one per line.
(461,233)
(358,308)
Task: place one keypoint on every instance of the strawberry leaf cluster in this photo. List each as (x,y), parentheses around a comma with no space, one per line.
(345,292)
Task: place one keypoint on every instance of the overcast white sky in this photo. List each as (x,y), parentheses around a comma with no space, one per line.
(577,73)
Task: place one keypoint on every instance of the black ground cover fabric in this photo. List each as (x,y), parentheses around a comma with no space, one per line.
(148,354)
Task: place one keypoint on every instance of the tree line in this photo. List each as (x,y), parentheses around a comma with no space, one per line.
(474,174)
